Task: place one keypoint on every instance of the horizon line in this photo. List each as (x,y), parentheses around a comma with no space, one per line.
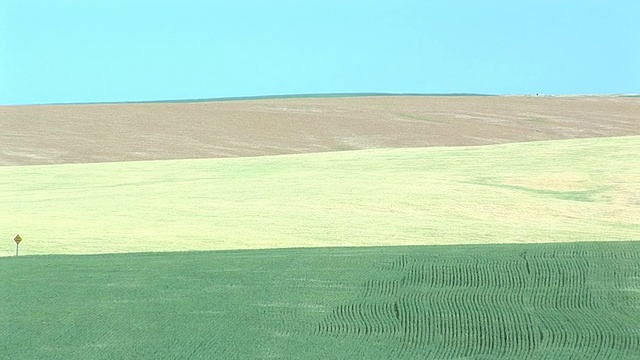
(254,97)
(309,96)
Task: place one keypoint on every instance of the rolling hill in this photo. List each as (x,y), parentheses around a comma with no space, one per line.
(321,252)
(548,191)
(57,134)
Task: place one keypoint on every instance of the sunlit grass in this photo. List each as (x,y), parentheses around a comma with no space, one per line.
(587,189)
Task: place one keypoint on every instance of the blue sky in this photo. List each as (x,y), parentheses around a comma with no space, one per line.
(111,50)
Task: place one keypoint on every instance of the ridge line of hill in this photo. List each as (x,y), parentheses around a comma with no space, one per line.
(258,97)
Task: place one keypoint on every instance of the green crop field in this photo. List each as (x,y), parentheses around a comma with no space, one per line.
(550,191)
(515,301)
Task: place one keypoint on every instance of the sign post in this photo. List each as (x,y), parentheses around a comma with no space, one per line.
(17,239)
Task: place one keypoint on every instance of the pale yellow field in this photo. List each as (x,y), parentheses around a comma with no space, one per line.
(550,191)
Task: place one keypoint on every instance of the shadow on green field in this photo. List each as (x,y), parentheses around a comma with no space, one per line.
(577,195)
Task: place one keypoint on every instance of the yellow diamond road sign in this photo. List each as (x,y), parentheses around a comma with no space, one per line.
(17,239)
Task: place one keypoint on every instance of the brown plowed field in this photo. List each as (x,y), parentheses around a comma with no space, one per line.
(53,134)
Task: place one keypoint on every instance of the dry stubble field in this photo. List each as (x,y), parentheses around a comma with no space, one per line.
(59,134)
